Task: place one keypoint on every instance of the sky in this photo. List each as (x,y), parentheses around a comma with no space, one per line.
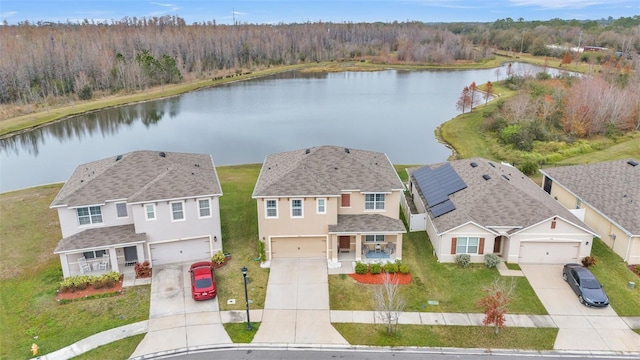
(297,11)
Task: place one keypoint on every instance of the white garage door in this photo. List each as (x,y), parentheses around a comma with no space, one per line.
(302,247)
(180,251)
(548,252)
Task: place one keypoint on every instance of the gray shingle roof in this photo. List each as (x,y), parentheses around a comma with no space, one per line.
(325,170)
(612,187)
(140,176)
(100,237)
(517,202)
(367,223)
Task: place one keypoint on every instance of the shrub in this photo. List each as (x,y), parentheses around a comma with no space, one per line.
(491,260)
(361,268)
(589,261)
(218,257)
(142,269)
(375,268)
(85,93)
(404,269)
(262,254)
(529,168)
(637,269)
(463,260)
(390,268)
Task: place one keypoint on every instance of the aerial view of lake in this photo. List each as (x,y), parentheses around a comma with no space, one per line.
(395,112)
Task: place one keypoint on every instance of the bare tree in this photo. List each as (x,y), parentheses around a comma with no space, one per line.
(464,99)
(389,303)
(495,303)
(488,90)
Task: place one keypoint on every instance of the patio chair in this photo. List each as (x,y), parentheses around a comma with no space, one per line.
(84,265)
(104,263)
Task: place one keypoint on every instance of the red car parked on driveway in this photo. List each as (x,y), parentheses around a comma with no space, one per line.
(203,281)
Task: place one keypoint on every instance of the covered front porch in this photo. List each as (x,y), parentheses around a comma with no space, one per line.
(101,250)
(370,238)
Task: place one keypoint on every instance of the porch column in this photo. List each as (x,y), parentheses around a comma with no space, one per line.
(113,259)
(333,239)
(358,247)
(140,252)
(65,266)
(399,247)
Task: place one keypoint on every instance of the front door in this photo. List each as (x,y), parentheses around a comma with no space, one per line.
(345,243)
(496,244)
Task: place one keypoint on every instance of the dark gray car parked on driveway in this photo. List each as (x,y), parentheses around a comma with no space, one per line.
(585,285)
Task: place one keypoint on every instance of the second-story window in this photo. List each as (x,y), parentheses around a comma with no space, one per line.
(374,201)
(204,208)
(150,211)
(89,215)
(177,211)
(121,210)
(321,206)
(296,208)
(271,208)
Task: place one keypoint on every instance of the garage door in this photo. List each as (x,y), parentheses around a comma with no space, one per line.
(302,247)
(180,251)
(548,252)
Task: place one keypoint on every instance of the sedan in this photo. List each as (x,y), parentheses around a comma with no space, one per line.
(585,285)
(203,281)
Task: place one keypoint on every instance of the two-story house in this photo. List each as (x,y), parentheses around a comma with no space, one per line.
(142,205)
(327,201)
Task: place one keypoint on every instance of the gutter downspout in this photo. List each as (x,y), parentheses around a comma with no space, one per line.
(626,255)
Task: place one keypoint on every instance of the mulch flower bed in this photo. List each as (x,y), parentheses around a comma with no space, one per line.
(370,278)
(633,269)
(89,291)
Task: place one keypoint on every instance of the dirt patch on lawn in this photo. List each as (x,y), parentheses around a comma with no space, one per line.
(370,278)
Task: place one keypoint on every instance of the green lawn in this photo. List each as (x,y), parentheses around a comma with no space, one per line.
(614,275)
(456,289)
(239,334)
(449,336)
(116,350)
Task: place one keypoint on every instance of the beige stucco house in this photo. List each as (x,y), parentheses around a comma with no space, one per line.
(476,207)
(142,205)
(329,202)
(607,196)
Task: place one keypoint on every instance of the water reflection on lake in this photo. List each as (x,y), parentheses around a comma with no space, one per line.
(395,112)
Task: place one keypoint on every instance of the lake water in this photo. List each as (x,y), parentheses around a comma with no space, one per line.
(395,112)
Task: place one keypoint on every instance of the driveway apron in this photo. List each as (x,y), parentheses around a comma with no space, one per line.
(176,321)
(579,327)
(296,309)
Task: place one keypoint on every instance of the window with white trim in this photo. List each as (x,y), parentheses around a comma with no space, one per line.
(374,238)
(94,254)
(121,210)
(467,245)
(296,208)
(271,208)
(374,201)
(321,206)
(177,211)
(89,215)
(204,208)
(150,211)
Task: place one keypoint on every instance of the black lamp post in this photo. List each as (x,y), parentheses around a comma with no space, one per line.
(246,296)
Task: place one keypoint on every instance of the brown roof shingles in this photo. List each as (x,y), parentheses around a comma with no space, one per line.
(140,176)
(325,170)
(367,223)
(100,237)
(612,187)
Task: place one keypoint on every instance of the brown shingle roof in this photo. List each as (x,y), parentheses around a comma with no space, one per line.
(612,187)
(367,223)
(517,202)
(325,170)
(100,237)
(140,176)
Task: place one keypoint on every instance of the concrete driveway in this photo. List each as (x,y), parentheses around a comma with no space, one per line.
(296,309)
(176,321)
(580,327)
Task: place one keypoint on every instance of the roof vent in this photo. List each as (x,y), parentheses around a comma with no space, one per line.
(119,157)
(162,154)
(486,177)
(307,151)
(347,150)
(474,164)
(491,164)
(505,177)
(632,163)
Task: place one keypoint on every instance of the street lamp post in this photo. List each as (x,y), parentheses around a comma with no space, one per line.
(246,296)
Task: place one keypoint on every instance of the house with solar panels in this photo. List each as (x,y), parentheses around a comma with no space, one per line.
(607,194)
(477,207)
(330,202)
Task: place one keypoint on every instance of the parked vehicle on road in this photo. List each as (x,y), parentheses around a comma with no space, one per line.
(203,281)
(585,285)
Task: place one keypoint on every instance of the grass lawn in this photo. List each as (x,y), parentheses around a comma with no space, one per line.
(449,336)
(456,289)
(238,216)
(613,273)
(120,349)
(238,332)
(30,274)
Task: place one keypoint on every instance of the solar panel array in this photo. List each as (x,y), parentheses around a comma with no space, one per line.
(436,185)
